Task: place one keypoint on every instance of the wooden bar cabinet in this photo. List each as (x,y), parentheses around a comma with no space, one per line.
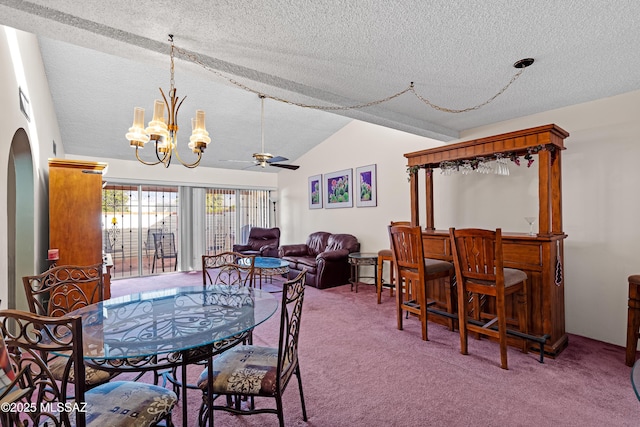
(540,256)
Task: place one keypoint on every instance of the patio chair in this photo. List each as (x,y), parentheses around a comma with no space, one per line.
(165,248)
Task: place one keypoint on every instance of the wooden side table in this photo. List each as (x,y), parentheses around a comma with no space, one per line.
(357,260)
(633,319)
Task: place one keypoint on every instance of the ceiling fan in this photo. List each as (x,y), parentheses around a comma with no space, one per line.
(263,159)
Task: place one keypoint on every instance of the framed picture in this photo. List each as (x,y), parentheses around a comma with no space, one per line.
(366,187)
(314,188)
(337,189)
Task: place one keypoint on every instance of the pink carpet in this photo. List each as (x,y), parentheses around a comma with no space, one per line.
(359,370)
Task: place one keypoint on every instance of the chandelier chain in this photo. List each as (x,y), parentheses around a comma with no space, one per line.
(194,58)
(172,80)
(475,107)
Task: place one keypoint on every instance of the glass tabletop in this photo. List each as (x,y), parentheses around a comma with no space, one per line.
(171,320)
(362,255)
(265,262)
(635,378)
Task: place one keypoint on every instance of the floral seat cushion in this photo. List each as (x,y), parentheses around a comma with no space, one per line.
(128,404)
(245,369)
(92,376)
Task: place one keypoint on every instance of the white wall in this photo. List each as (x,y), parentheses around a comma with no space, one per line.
(133,171)
(24,69)
(357,144)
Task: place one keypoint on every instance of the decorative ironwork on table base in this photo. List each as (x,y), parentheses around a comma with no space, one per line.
(168,360)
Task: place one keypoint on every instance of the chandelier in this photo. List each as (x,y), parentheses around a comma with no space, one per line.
(164,133)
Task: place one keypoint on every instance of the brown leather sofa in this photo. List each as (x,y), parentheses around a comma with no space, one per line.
(261,242)
(325,256)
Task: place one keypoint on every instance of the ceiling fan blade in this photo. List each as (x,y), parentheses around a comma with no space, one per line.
(277,159)
(280,165)
(236,161)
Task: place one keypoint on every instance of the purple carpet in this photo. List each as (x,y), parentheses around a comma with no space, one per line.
(359,370)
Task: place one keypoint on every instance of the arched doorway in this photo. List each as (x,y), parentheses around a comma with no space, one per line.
(20,218)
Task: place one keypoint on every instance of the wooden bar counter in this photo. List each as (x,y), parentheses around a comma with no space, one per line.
(540,256)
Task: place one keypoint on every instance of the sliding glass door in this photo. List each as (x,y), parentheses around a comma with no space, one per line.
(140,229)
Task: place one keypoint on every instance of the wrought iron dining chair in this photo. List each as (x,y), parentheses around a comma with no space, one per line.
(413,272)
(478,258)
(57,292)
(13,386)
(64,288)
(252,371)
(31,338)
(228,268)
(220,269)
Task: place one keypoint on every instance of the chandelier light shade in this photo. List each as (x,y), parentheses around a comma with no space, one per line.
(163,131)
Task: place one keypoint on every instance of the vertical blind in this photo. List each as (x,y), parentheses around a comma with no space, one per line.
(230,214)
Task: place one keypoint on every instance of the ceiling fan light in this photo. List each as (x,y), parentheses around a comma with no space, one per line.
(262,157)
(137,135)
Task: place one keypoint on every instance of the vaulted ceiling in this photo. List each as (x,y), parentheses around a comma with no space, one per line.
(104,58)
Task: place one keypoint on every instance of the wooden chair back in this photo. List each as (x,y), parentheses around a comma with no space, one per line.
(407,242)
(478,257)
(63,289)
(408,257)
(408,260)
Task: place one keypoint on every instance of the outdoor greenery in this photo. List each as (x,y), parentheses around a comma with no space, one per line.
(215,204)
(115,201)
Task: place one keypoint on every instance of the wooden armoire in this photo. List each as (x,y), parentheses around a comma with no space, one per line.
(75,212)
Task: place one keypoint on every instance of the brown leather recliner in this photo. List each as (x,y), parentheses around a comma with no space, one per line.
(261,242)
(325,256)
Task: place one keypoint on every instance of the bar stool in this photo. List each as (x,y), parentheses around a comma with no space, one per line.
(385,255)
(633,319)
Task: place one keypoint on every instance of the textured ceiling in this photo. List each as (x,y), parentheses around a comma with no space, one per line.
(104,58)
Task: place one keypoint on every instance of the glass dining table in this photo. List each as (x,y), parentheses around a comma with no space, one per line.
(171,328)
